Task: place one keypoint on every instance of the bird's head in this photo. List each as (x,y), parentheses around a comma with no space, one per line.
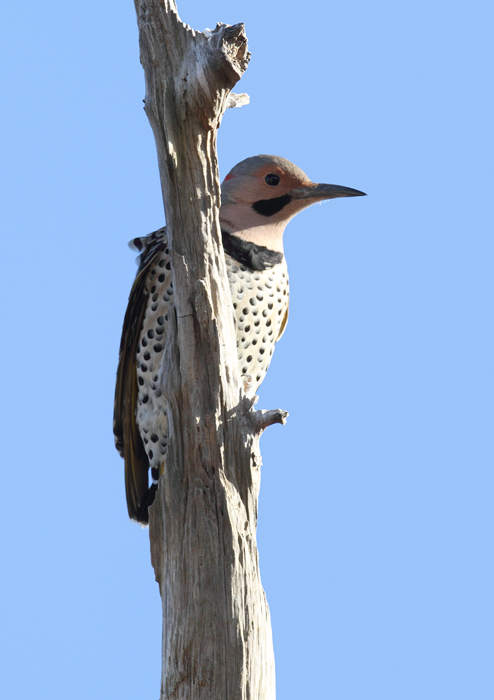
(260,195)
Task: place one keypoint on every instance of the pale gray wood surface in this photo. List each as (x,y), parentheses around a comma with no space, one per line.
(217,642)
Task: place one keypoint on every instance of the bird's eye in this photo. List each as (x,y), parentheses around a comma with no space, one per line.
(272,179)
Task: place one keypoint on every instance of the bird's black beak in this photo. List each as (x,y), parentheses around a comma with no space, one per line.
(320,191)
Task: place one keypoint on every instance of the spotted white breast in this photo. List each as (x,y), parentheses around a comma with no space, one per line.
(260,300)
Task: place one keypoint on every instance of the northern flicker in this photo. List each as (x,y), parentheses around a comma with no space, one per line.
(259,196)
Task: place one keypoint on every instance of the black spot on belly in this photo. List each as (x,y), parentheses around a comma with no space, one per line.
(161,321)
(154,437)
(160,330)
(144,367)
(162,263)
(155,295)
(147,356)
(140,380)
(157,348)
(161,278)
(144,342)
(150,333)
(145,399)
(150,453)
(168,265)
(155,475)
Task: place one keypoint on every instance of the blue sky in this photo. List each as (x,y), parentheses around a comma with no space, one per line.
(376,519)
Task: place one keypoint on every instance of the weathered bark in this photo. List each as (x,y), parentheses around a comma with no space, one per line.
(217,641)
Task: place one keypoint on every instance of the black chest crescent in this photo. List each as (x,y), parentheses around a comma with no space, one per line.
(255,257)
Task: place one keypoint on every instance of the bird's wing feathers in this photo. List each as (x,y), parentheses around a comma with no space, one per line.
(127,438)
(283,325)
(285,317)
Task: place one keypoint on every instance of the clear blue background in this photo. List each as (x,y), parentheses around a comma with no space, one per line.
(376,513)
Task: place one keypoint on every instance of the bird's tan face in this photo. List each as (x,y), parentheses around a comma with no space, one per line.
(265,186)
(262,194)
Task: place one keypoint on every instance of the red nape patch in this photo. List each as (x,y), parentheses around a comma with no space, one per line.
(228,177)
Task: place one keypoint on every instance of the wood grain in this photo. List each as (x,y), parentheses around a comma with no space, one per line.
(217,642)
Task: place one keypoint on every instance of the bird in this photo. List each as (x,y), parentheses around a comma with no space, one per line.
(259,196)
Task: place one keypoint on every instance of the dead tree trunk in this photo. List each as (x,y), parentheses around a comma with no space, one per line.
(217,641)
